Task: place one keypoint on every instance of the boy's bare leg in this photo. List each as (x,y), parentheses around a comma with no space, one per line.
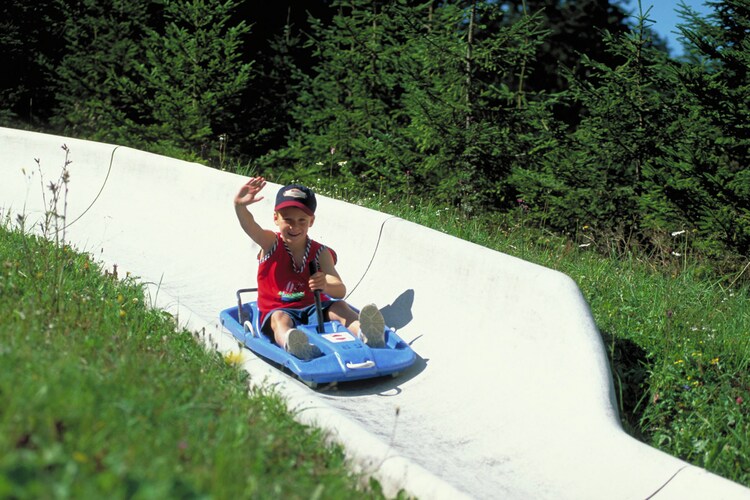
(291,339)
(341,312)
(281,323)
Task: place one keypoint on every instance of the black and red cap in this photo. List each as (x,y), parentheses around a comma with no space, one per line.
(296,195)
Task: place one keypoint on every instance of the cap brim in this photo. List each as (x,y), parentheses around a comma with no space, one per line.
(296,204)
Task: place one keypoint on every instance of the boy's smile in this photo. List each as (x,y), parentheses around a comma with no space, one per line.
(293,224)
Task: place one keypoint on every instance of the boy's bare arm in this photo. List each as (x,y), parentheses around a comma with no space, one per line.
(247,195)
(328,278)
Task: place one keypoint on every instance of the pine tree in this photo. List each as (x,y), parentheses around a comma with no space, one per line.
(662,144)
(604,175)
(471,115)
(102,47)
(29,43)
(347,108)
(575,27)
(262,122)
(192,77)
(406,95)
(164,76)
(716,80)
(275,44)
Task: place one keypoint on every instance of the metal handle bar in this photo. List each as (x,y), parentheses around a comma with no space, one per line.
(239,302)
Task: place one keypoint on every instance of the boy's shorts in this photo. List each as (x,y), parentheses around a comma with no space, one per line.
(302,316)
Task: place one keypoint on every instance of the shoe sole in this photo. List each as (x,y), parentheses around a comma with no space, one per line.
(298,346)
(372,326)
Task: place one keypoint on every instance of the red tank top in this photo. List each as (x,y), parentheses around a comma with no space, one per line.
(280,284)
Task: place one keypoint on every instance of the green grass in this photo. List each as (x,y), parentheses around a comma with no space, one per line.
(678,337)
(103,398)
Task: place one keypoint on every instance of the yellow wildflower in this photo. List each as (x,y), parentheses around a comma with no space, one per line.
(233,358)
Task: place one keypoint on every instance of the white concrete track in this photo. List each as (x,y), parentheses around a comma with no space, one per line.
(511,395)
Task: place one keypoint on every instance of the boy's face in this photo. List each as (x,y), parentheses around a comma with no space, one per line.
(293,223)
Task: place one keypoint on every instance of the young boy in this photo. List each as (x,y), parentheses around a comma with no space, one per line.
(285,286)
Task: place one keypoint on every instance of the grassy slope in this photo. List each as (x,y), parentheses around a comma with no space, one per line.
(101,397)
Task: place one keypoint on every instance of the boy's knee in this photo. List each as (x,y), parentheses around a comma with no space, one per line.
(281,318)
(342,312)
(335,307)
(340,308)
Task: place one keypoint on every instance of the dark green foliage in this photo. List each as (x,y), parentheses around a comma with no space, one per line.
(470,113)
(567,110)
(101,48)
(661,146)
(348,109)
(575,28)
(719,89)
(192,75)
(280,62)
(263,119)
(164,76)
(29,47)
(598,177)
(418,96)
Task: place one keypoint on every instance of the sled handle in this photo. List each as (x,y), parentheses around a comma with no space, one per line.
(359,366)
(318,307)
(239,302)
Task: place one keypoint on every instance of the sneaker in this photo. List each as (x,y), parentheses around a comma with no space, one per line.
(298,345)
(372,326)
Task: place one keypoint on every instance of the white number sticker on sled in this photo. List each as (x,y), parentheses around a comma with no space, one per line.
(338,337)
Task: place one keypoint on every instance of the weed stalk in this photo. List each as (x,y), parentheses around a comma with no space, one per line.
(54,224)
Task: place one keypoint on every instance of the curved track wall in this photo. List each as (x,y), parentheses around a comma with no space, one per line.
(511,396)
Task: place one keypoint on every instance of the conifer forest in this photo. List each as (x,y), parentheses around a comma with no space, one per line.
(572,112)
